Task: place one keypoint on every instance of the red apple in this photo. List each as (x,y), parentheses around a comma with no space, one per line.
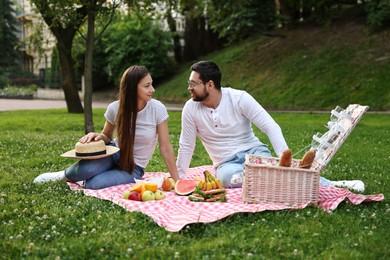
(135,195)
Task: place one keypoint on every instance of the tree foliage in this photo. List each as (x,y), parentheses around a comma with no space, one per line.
(134,39)
(378,13)
(238,19)
(8,41)
(131,39)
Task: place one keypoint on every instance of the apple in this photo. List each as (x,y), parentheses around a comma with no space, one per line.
(126,194)
(148,195)
(135,195)
(159,195)
(172,182)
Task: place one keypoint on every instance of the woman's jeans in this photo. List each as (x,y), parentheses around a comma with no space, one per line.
(235,167)
(102,173)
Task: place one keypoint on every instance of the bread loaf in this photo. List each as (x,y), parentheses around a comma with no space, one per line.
(307,159)
(285,158)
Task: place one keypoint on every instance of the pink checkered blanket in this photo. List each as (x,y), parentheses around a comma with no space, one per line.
(174,212)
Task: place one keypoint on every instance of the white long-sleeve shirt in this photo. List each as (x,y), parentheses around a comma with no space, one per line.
(226,130)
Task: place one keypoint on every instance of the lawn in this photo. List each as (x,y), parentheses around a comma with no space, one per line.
(50,221)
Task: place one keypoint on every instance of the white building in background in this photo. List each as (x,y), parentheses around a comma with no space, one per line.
(34,59)
(37,60)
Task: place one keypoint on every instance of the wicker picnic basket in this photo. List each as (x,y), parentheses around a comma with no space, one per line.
(266,182)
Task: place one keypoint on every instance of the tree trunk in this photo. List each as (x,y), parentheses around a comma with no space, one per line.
(88,118)
(282,8)
(191,37)
(176,38)
(64,36)
(68,78)
(198,40)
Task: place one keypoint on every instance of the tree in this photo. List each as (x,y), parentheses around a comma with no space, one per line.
(162,10)
(8,40)
(88,119)
(134,39)
(93,7)
(239,19)
(172,7)
(64,18)
(378,13)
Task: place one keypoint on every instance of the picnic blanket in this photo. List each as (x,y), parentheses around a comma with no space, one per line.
(174,211)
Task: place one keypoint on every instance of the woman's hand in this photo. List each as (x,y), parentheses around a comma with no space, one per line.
(105,135)
(89,137)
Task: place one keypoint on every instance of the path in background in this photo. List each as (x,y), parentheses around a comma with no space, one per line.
(28,104)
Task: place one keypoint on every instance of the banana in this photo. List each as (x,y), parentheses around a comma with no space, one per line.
(209,186)
(204,186)
(211,180)
(215,182)
(200,184)
(206,181)
(218,182)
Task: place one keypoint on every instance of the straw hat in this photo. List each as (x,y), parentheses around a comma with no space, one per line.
(91,150)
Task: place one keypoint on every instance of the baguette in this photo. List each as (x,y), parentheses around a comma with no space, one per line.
(285,158)
(307,159)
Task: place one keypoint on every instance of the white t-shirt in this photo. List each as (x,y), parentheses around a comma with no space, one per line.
(226,130)
(146,137)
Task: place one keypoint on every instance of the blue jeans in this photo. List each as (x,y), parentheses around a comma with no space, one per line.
(236,165)
(102,173)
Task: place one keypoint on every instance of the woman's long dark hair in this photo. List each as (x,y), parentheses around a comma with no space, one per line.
(127,114)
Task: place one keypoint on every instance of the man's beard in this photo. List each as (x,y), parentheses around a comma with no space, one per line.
(201,97)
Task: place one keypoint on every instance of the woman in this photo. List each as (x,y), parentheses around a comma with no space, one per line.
(139,121)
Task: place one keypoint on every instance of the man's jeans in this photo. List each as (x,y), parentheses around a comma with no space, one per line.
(230,172)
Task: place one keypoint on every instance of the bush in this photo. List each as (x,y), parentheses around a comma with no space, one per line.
(134,40)
(237,20)
(378,13)
(4,81)
(12,91)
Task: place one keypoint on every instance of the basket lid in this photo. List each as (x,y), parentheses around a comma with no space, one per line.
(341,124)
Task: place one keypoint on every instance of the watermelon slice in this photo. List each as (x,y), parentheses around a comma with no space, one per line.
(185,187)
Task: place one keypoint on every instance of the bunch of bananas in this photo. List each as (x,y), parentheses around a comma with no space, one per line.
(209,182)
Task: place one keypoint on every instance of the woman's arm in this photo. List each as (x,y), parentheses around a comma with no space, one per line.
(166,149)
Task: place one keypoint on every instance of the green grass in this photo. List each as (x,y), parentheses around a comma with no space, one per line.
(308,68)
(50,221)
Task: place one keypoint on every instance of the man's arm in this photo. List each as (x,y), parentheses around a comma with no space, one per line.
(187,141)
(263,120)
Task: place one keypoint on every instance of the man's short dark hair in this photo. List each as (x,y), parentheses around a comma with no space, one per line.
(208,70)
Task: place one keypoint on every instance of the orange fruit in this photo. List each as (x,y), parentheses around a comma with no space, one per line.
(137,186)
(151,186)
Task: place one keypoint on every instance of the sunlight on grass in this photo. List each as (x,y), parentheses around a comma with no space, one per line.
(50,221)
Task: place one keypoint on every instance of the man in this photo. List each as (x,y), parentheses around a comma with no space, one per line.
(222,119)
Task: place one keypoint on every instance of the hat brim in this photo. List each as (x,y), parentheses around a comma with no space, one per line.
(109,149)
